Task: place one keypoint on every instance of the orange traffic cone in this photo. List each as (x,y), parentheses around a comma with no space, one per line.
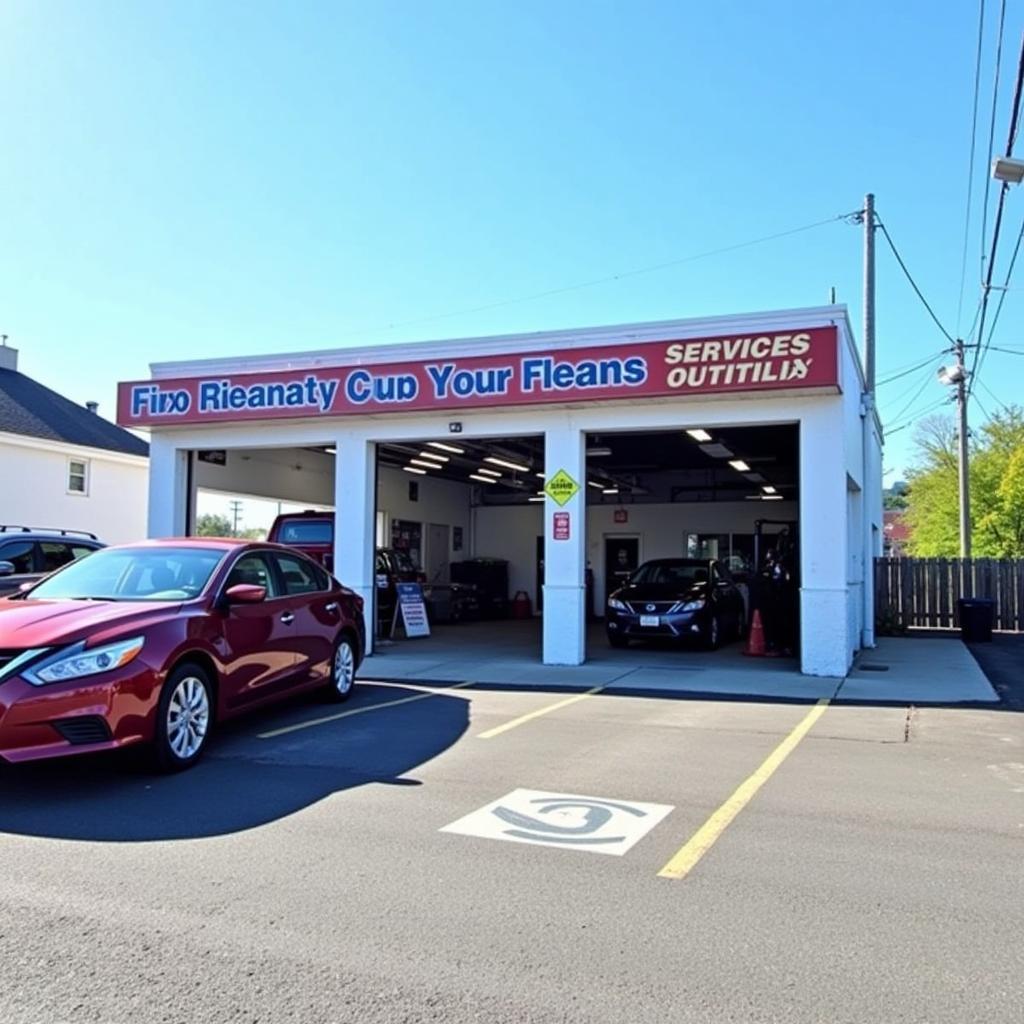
(755,641)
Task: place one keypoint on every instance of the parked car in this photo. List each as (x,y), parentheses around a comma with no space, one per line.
(312,533)
(154,643)
(27,553)
(676,599)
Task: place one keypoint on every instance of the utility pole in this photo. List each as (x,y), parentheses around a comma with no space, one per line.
(964,465)
(869,295)
(236,511)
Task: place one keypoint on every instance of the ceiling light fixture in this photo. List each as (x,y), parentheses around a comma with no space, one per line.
(771,497)
(699,435)
(424,464)
(739,465)
(541,475)
(482,479)
(768,489)
(413,469)
(489,472)
(609,490)
(446,447)
(594,483)
(331,451)
(434,456)
(494,461)
(599,451)
(534,499)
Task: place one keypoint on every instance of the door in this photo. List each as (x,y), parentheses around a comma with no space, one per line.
(316,616)
(621,558)
(259,638)
(437,557)
(539,562)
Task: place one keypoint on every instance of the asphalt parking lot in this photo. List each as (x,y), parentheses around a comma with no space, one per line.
(788,861)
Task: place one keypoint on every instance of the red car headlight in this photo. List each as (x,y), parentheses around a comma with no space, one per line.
(76,662)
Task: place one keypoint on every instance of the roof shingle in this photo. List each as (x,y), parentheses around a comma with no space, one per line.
(32,410)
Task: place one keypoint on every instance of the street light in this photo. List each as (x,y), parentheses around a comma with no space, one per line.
(1008,169)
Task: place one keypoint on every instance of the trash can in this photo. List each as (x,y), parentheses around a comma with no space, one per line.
(976,615)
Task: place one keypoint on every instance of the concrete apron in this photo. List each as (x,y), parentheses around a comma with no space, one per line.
(507,654)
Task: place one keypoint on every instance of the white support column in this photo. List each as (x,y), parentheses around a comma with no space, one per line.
(167,488)
(826,648)
(565,560)
(355,499)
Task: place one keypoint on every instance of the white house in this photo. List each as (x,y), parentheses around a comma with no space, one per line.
(62,465)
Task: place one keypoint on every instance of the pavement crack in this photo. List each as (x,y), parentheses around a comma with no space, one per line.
(907,723)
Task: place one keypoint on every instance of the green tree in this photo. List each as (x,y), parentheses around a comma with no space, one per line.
(210,525)
(997,489)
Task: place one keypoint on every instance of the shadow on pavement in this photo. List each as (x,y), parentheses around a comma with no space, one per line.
(243,782)
(1002,661)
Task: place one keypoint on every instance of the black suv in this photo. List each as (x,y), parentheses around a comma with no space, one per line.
(27,554)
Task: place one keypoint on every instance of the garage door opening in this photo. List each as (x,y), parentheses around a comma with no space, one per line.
(240,492)
(464,520)
(690,532)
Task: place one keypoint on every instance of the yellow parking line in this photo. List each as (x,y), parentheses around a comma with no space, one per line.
(523,719)
(706,836)
(360,711)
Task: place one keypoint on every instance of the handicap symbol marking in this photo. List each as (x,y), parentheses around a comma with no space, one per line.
(565,820)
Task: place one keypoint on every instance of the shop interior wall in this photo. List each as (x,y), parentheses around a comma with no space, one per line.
(445,502)
(511,532)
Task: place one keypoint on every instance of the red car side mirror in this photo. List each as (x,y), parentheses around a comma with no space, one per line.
(246,593)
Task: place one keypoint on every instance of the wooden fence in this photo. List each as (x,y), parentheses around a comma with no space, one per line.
(923,592)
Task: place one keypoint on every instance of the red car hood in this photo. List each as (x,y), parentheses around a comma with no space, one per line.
(25,624)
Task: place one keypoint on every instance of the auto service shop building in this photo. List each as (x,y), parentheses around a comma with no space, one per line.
(569,456)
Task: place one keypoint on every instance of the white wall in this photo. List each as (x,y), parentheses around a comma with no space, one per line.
(282,474)
(35,489)
(445,502)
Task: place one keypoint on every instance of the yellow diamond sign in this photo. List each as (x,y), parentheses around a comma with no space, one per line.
(561,487)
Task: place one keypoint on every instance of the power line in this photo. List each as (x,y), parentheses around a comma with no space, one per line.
(916,366)
(970,163)
(605,280)
(989,269)
(898,426)
(992,130)
(917,394)
(913,283)
(981,406)
(995,397)
(983,351)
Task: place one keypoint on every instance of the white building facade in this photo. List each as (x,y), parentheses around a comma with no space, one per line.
(316,422)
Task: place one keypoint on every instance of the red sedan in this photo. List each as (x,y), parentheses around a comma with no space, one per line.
(155,642)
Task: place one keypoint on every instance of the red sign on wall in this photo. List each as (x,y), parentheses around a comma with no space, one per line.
(780,360)
(560,526)
(621,515)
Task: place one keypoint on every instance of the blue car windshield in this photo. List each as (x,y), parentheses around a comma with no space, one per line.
(676,574)
(132,574)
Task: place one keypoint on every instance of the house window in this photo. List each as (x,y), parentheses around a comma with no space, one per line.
(78,476)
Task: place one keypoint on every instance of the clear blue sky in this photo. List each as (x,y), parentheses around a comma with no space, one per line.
(197,179)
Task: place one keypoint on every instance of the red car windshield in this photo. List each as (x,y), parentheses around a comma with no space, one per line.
(132,574)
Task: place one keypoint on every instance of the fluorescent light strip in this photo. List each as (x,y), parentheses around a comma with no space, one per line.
(739,465)
(591,483)
(541,475)
(446,447)
(507,465)
(413,469)
(610,490)
(699,435)
(434,456)
(768,489)
(424,464)
(489,472)
(534,499)
(482,479)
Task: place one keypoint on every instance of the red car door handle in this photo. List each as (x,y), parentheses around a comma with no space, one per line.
(332,607)
(287,618)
